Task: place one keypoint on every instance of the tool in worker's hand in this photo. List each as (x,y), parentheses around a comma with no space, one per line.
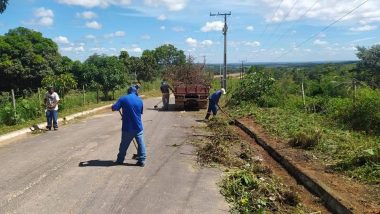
(156,106)
(135,156)
(232,120)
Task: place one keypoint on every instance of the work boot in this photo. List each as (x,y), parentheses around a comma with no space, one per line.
(207,116)
(140,164)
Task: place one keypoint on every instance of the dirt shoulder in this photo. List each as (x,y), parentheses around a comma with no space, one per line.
(360,198)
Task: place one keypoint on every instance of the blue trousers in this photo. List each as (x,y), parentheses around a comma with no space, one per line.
(212,107)
(126,138)
(52,117)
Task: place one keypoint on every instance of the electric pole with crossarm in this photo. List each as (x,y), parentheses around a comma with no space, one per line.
(225,29)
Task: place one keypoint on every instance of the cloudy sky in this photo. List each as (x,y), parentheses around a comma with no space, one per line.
(259,30)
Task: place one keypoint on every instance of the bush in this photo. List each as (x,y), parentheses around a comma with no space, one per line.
(305,140)
(363,115)
(253,87)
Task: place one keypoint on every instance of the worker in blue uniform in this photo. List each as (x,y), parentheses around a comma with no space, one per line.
(213,102)
(132,126)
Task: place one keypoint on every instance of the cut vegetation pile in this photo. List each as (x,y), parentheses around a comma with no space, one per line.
(249,186)
(188,73)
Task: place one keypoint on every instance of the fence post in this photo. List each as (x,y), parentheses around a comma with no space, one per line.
(84,96)
(303,96)
(14,102)
(39,96)
(97,95)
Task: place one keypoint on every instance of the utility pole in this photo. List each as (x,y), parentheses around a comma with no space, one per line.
(225,29)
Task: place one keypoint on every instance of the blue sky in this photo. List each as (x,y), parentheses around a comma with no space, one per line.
(259,30)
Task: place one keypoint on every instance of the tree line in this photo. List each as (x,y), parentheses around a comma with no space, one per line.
(29,61)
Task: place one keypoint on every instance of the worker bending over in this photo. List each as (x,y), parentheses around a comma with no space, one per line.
(213,102)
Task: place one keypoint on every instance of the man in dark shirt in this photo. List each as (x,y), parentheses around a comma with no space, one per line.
(165,87)
(132,127)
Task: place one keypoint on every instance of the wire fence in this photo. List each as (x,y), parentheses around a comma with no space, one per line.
(18,106)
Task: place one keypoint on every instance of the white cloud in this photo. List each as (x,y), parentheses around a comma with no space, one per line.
(252,44)
(145,37)
(320,42)
(67,49)
(61,40)
(79,49)
(87,15)
(364,28)
(115,34)
(93,25)
(162,17)
(133,49)
(119,33)
(213,26)
(43,17)
(250,28)
(178,29)
(172,5)
(96,3)
(292,10)
(191,42)
(43,12)
(162,28)
(90,36)
(207,42)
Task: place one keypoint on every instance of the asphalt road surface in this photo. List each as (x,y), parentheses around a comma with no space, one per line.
(72,171)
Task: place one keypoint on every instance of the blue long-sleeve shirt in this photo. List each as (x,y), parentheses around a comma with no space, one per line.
(132,107)
(216,96)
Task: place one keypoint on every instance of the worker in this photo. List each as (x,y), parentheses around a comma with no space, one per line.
(137,86)
(165,87)
(213,102)
(51,101)
(132,127)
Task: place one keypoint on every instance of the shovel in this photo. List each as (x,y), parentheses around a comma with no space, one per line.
(232,120)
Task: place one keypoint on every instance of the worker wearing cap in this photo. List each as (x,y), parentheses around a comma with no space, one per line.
(132,126)
(165,87)
(213,102)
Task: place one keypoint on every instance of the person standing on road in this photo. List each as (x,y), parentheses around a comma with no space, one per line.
(165,87)
(213,102)
(132,127)
(51,101)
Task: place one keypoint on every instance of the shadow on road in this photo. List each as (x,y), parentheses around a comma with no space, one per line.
(171,108)
(102,163)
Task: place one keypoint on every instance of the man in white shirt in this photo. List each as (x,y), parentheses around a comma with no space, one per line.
(51,102)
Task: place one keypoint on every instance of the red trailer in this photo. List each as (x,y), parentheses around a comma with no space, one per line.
(191,95)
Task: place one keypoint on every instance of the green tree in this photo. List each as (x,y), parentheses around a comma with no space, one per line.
(368,69)
(26,57)
(169,55)
(3,5)
(124,57)
(106,71)
(136,65)
(62,83)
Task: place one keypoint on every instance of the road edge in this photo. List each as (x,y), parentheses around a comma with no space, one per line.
(24,131)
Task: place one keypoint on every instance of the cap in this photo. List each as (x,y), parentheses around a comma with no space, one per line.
(223,90)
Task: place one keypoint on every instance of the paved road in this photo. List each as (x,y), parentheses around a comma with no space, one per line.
(71,171)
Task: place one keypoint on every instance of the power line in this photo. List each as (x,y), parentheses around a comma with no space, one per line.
(323,29)
(266,25)
(283,19)
(291,27)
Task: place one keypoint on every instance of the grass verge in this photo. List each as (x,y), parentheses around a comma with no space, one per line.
(353,153)
(249,186)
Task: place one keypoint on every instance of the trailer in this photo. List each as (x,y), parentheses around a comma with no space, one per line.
(193,96)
